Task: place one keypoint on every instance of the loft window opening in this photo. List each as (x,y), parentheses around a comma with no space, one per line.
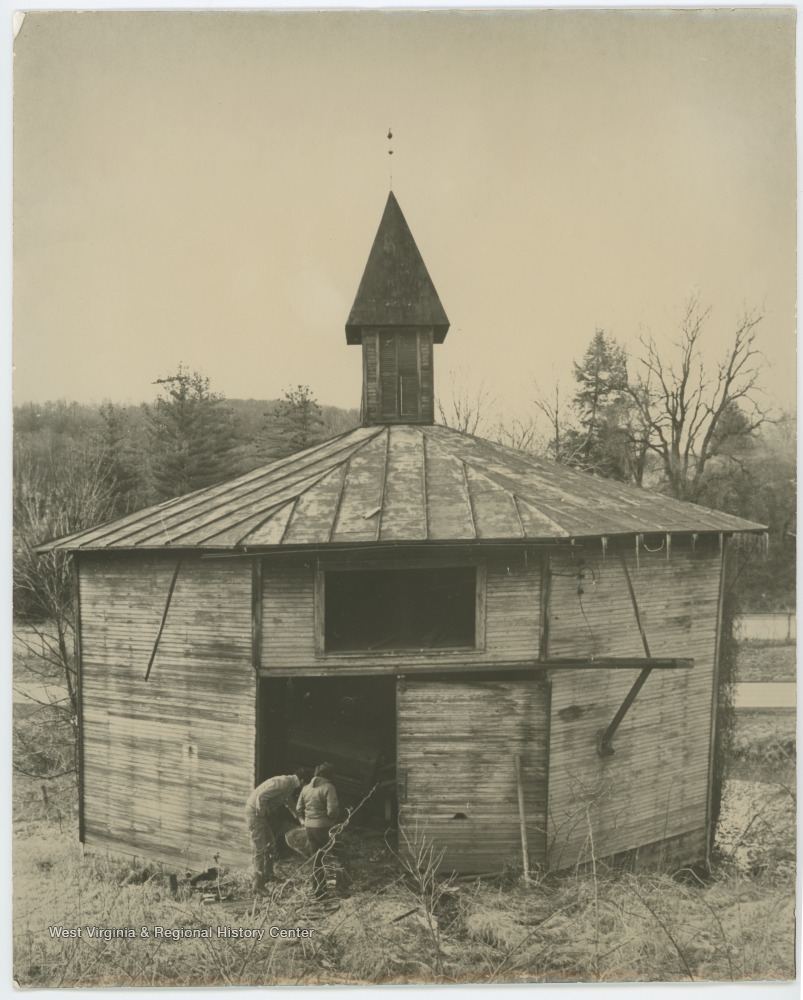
(399,386)
(400,609)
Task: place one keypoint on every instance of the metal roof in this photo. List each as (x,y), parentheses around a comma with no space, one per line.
(396,289)
(402,483)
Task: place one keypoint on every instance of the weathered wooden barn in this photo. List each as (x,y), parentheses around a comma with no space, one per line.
(502,645)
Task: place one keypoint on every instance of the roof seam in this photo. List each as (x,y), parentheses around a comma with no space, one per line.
(289,518)
(209,492)
(518,515)
(269,516)
(311,484)
(310,481)
(623,493)
(468,501)
(256,488)
(384,487)
(340,493)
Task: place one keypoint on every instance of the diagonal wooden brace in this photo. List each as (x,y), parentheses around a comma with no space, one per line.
(164,617)
(605,746)
(605,749)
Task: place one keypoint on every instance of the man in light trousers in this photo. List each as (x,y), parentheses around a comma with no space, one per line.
(262,812)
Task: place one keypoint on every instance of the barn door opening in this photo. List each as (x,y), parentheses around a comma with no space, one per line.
(457,742)
(350,722)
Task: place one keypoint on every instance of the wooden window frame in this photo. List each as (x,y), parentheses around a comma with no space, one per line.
(480,605)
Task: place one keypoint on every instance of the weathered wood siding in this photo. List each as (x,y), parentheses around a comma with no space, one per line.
(427,377)
(656,785)
(370,377)
(169,763)
(456,743)
(511,627)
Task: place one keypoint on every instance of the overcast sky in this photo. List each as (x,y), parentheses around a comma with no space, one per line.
(205,188)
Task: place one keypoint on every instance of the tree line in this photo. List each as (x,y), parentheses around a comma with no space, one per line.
(76,466)
(659,416)
(667,417)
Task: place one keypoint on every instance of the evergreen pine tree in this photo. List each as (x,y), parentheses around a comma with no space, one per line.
(603,444)
(295,423)
(192,435)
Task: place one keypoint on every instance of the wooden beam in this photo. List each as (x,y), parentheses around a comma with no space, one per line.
(164,617)
(525,853)
(76,583)
(709,832)
(319,611)
(489,670)
(480,604)
(622,663)
(546,589)
(256,613)
(432,549)
(548,769)
(634,602)
(605,748)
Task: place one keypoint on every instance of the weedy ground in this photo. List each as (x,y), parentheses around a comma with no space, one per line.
(410,925)
(407,926)
(762,660)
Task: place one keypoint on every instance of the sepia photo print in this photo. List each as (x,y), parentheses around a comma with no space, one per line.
(404,497)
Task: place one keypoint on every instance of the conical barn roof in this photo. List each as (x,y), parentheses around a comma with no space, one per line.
(402,484)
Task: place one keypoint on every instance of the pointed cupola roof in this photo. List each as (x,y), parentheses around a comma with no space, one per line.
(396,289)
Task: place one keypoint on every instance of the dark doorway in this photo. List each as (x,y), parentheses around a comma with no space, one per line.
(350,722)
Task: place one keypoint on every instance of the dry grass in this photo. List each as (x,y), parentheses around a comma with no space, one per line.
(397,927)
(764,746)
(766,661)
(410,927)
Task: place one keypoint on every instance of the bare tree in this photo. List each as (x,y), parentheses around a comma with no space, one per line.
(522,435)
(691,413)
(465,410)
(49,503)
(563,442)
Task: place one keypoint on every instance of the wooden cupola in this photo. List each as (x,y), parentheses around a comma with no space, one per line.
(397,317)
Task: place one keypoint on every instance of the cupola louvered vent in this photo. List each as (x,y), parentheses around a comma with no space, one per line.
(399,384)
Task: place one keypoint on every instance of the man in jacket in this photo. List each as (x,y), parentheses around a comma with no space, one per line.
(319,810)
(262,812)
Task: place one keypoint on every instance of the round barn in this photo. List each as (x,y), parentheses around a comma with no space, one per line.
(508,651)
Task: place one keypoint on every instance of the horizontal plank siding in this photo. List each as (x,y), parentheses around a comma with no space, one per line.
(288,617)
(655,785)
(511,632)
(168,763)
(456,747)
(513,610)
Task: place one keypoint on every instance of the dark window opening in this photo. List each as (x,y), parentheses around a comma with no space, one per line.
(400,609)
(398,376)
